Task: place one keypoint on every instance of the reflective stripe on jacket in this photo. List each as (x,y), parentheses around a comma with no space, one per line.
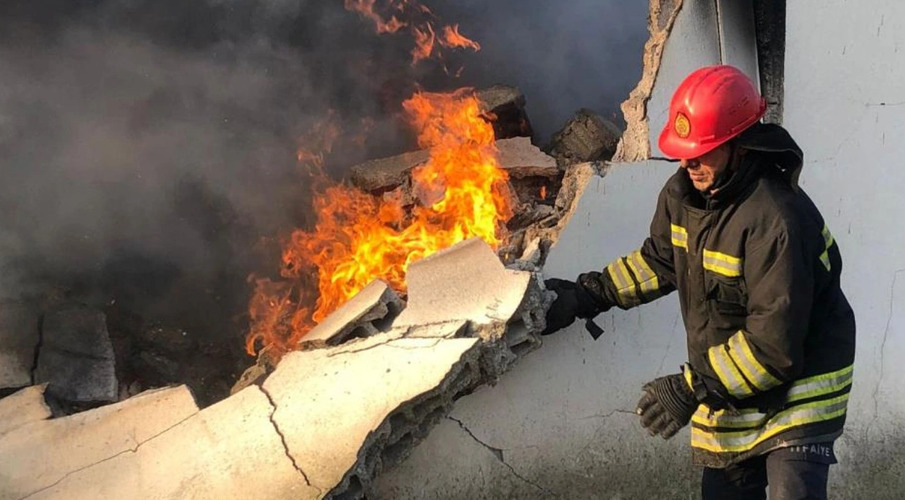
(757,272)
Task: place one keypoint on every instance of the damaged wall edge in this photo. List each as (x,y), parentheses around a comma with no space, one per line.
(634,145)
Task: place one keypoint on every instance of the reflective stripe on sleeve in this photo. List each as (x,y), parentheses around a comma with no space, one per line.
(645,275)
(740,352)
(625,286)
(828,242)
(727,372)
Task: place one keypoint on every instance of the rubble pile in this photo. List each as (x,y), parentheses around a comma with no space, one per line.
(364,387)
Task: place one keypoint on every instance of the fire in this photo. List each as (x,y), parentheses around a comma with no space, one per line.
(366,9)
(452,38)
(359,237)
(420,22)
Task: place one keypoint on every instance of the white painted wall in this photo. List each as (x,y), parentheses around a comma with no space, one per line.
(558,424)
(844,60)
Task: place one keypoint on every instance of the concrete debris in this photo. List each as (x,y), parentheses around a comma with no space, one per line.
(586,137)
(370,311)
(519,158)
(545,231)
(464,282)
(22,408)
(253,375)
(229,451)
(18,341)
(635,142)
(42,453)
(507,107)
(385,174)
(370,399)
(76,357)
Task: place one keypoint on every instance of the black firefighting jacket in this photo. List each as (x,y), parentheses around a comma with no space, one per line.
(769,329)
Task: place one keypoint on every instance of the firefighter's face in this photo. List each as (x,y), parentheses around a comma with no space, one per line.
(705,169)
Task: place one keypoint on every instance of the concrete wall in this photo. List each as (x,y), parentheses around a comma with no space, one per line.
(559,424)
(845,105)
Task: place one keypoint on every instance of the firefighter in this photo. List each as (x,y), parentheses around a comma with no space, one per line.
(771,336)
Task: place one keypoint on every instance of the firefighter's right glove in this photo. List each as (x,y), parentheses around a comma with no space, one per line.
(666,406)
(572,301)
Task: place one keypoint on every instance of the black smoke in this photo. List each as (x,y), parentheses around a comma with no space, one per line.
(147,147)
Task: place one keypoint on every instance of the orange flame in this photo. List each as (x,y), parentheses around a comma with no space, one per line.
(359,238)
(452,38)
(420,22)
(366,9)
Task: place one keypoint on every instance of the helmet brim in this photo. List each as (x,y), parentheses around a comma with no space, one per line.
(679,148)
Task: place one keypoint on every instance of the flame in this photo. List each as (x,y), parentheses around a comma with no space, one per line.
(358,237)
(420,22)
(366,9)
(424,43)
(452,38)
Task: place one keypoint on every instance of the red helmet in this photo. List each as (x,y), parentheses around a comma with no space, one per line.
(711,106)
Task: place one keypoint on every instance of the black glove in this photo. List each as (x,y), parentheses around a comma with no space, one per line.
(572,301)
(667,405)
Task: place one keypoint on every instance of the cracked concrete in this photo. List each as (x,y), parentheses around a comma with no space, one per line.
(273,409)
(33,462)
(498,453)
(635,145)
(227,451)
(350,411)
(23,407)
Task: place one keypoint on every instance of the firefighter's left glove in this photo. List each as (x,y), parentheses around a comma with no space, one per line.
(572,301)
(666,406)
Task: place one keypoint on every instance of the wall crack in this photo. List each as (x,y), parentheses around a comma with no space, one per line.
(273,409)
(892,302)
(498,453)
(130,450)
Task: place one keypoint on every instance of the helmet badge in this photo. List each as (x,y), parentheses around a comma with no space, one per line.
(682,125)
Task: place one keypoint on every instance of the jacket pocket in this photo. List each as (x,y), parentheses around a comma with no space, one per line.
(727,295)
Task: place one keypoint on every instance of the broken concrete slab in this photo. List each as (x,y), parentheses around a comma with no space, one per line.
(360,413)
(466,281)
(635,143)
(586,137)
(507,105)
(386,173)
(23,407)
(41,453)
(19,339)
(371,310)
(517,155)
(228,451)
(76,358)
(520,158)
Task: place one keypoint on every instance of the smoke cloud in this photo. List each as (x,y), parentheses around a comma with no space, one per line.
(147,147)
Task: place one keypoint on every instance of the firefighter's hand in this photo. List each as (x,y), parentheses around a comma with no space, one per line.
(666,406)
(572,301)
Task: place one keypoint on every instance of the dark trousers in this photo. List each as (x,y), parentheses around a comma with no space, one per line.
(793,473)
